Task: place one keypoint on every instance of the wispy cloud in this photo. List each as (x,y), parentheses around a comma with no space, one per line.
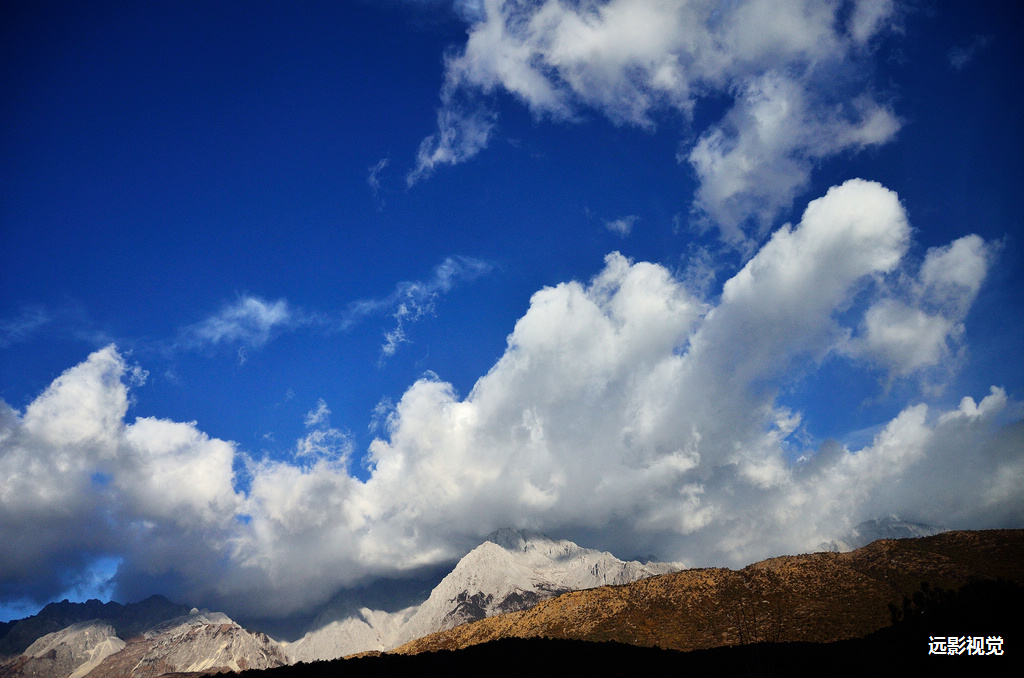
(623,225)
(373,180)
(250,322)
(413,300)
(23,326)
(321,415)
(464,129)
(961,55)
(323,443)
(636,60)
(69,321)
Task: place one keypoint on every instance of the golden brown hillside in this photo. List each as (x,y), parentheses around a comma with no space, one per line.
(818,597)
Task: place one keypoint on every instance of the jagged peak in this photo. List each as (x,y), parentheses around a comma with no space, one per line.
(202,617)
(512,539)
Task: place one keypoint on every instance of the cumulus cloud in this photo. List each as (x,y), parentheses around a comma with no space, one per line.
(798,76)
(759,158)
(79,484)
(624,412)
(920,325)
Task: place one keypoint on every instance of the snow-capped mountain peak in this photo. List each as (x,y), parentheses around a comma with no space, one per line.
(510,570)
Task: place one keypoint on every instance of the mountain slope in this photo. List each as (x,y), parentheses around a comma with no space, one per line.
(511,570)
(127,620)
(889,527)
(71,652)
(514,570)
(365,630)
(819,597)
(199,641)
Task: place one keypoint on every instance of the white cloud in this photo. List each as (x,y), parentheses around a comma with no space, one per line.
(903,337)
(961,55)
(623,225)
(869,17)
(759,158)
(463,130)
(623,410)
(952,275)
(323,443)
(373,180)
(78,484)
(920,324)
(411,301)
(250,321)
(636,60)
(321,415)
(19,328)
(171,471)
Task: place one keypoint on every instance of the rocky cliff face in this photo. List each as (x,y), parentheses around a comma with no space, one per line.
(71,652)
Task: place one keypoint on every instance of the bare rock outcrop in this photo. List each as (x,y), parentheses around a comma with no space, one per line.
(198,642)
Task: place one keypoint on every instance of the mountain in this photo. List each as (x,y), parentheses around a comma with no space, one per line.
(889,527)
(198,641)
(127,620)
(797,602)
(511,570)
(817,598)
(514,570)
(71,652)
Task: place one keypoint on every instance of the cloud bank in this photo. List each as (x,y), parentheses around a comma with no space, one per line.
(625,412)
(797,75)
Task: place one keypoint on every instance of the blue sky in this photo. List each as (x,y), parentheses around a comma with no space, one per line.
(343,287)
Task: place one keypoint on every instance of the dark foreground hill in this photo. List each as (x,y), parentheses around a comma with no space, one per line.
(819,597)
(899,650)
(816,614)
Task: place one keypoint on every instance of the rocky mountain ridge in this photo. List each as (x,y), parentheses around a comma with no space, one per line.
(525,585)
(197,641)
(511,570)
(818,598)
(889,527)
(73,651)
(127,620)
